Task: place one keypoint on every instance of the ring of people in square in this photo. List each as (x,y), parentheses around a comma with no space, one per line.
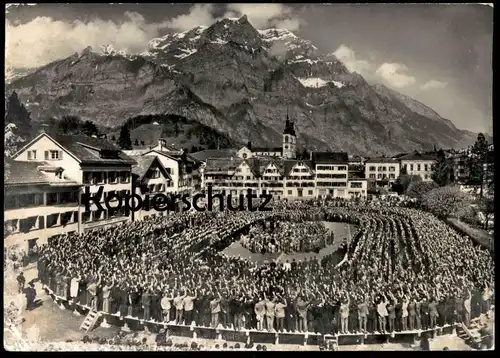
(406,273)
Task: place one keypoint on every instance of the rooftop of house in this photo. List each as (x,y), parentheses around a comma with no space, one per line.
(418,156)
(214,153)
(91,150)
(330,158)
(381,160)
(31,173)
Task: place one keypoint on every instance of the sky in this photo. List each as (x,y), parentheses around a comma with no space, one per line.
(441,55)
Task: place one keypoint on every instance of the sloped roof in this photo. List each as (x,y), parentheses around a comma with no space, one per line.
(418,156)
(222,165)
(264,149)
(86,149)
(213,153)
(330,158)
(381,160)
(24,173)
(144,162)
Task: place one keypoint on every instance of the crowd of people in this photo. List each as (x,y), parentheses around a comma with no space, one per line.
(288,237)
(405,270)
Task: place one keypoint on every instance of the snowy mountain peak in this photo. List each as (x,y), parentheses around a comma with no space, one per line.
(110,50)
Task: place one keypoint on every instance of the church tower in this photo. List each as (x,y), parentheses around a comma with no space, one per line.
(289,140)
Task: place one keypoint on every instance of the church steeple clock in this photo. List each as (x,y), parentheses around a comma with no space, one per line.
(289,140)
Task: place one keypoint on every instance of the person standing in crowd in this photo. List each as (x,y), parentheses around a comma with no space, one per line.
(382,313)
(106,297)
(302,311)
(291,315)
(344,315)
(179,307)
(270,309)
(433,313)
(21,281)
(188,307)
(467,309)
(280,314)
(411,315)
(166,305)
(424,308)
(30,296)
(146,304)
(74,291)
(224,310)
(215,310)
(260,311)
(236,307)
(92,291)
(418,315)
(391,310)
(362,314)
(404,313)
(485,299)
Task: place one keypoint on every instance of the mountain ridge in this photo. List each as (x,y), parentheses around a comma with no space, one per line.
(241,82)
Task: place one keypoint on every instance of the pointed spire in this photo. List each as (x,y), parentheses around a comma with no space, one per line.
(287,113)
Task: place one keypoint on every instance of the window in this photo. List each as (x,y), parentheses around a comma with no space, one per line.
(51,199)
(87,177)
(53,155)
(379,176)
(392,176)
(342,167)
(245,155)
(356,185)
(249,177)
(426,167)
(31,154)
(124,177)
(392,169)
(289,192)
(372,168)
(52,220)
(372,176)
(418,167)
(380,169)
(155,173)
(411,167)
(286,140)
(310,192)
(112,179)
(86,216)
(426,176)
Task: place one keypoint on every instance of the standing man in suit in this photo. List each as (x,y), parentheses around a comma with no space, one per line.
(188,307)
(362,314)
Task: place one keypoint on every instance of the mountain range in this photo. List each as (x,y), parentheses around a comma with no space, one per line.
(242,83)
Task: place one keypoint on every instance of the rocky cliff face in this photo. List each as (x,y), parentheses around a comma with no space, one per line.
(241,82)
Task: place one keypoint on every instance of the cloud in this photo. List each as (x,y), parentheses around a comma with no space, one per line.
(392,74)
(199,15)
(43,39)
(348,57)
(263,16)
(433,84)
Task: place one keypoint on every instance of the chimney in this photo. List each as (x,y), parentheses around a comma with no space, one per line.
(249,145)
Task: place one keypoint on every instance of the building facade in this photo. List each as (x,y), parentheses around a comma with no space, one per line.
(93,163)
(331,174)
(382,171)
(418,164)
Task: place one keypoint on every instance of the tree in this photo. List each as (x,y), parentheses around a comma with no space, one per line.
(418,189)
(303,154)
(124,140)
(89,128)
(403,182)
(476,163)
(487,207)
(443,170)
(446,201)
(136,143)
(16,113)
(69,125)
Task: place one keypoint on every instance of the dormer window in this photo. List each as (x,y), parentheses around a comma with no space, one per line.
(109,154)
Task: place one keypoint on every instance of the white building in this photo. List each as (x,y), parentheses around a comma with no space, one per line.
(288,149)
(94,163)
(331,170)
(150,177)
(382,171)
(40,201)
(418,164)
(358,188)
